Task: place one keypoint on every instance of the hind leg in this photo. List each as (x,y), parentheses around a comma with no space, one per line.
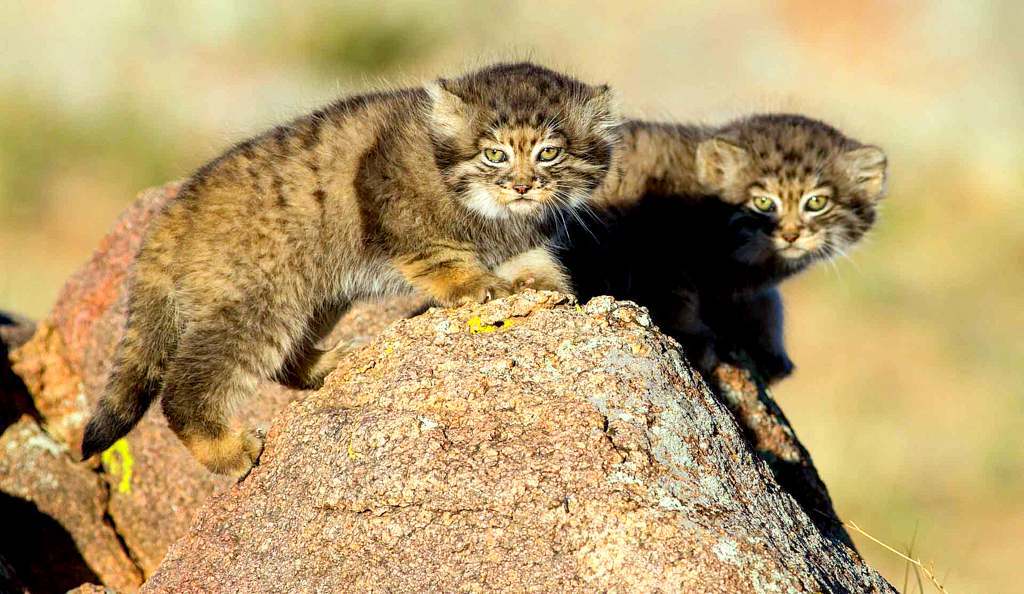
(216,367)
(307,365)
(311,366)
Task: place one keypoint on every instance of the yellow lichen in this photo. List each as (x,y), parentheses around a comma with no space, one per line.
(122,464)
(477,326)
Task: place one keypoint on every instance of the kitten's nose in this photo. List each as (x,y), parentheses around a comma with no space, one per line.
(521,188)
(790,235)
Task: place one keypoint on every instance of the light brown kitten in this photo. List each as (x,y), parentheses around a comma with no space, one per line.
(432,188)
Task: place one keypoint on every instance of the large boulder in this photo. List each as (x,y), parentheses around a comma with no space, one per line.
(528,444)
(113,523)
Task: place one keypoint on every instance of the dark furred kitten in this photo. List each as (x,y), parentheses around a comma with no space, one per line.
(701,224)
(449,189)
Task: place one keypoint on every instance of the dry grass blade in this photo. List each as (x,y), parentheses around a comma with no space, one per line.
(906,567)
(917,574)
(919,567)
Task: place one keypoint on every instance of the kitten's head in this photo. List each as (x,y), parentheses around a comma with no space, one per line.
(516,140)
(807,191)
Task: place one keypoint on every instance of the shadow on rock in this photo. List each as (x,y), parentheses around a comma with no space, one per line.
(39,550)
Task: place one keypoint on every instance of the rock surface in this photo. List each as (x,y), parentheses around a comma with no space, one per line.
(40,483)
(91,589)
(775,442)
(55,532)
(525,444)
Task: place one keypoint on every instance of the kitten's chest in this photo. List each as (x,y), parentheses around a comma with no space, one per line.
(735,279)
(497,241)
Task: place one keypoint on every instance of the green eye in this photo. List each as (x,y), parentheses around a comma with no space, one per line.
(549,153)
(763,203)
(816,203)
(495,155)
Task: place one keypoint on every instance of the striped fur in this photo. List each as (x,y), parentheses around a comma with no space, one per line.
(380,194)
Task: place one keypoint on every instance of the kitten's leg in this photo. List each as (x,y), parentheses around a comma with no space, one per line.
(452,274)
(217,365)
(535,269)
(700,345)
(685,324)
(307,365)
(758,331)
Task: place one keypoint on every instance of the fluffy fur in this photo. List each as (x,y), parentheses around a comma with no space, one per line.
(267,245)
(701,224)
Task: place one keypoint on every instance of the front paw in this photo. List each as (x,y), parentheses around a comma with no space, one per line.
(541,283)
(774,367)
(480,290)
(535,269)
(706,359)
(702,352)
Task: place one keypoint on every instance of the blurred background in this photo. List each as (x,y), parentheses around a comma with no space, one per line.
(910,385)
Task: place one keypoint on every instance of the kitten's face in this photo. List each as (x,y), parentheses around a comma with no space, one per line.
(520,141)
(516,172)
(807,192)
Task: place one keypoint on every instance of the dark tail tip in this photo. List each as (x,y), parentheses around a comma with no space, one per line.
(101,433)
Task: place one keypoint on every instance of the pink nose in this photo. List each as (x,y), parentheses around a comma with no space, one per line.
(521,188)
(790,236)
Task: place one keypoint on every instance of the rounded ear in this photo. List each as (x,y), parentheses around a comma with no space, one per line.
(603,108)
(448,112)
(595,109)
(866,167)
(719,163)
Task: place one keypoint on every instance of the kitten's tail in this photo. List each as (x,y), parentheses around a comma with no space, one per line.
(134,381)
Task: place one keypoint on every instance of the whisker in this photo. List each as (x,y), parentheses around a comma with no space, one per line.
(557,210)
(564,199)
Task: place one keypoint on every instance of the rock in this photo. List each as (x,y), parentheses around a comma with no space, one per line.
(55,533)
(525,444)
(154,484)
(146,493)
(64,364)
(14,399)
(769,432)
(91,589)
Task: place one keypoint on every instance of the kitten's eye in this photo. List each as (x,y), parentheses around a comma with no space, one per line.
(495,155)
(816,203)
(763,203)
(549,153)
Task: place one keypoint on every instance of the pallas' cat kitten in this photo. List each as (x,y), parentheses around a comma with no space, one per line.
(701,224)
(449,189)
